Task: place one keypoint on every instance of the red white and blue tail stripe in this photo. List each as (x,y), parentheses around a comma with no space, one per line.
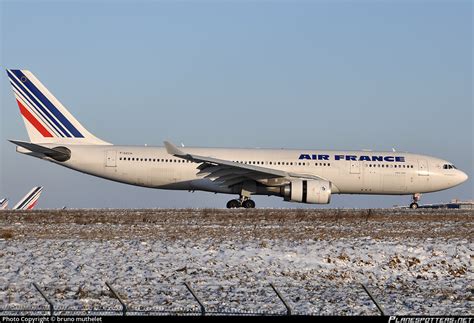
(29,201)
(46,119)
(3,204)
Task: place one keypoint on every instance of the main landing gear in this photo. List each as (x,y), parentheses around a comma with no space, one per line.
(234,204)
(416,198)
(244,201)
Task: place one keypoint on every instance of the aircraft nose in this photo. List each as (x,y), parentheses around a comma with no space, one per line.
(462,177)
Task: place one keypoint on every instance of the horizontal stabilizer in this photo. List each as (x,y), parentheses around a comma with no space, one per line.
(58,153)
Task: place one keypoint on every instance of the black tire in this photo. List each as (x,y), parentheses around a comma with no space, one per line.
(414,206)
(233,204)
(248,204)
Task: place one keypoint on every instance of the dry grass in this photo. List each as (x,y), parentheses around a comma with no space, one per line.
(219,224)
(7,234)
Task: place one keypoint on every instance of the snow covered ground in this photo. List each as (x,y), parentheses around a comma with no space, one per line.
(413,262)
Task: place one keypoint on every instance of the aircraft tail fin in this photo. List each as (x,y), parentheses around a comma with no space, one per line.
(46,119)
(3,204)
(29,201)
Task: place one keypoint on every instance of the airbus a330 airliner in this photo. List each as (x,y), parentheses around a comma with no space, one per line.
(304,176)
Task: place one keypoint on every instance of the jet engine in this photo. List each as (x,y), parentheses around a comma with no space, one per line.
(307,191)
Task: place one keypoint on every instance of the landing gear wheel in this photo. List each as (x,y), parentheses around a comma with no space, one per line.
(248,204)
(233,204)
(416,197)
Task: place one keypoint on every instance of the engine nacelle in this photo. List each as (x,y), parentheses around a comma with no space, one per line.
(307,191)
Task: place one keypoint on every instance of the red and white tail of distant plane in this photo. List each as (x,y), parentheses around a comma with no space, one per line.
(297,175)
(3,204)
(28,202)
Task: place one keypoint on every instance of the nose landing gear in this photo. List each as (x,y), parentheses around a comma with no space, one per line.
(416,198)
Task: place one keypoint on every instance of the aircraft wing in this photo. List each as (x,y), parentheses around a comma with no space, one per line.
(228,173)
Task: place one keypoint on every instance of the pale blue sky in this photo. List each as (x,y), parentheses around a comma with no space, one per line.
(313,74)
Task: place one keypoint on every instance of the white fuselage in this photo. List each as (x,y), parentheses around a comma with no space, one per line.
(350,172)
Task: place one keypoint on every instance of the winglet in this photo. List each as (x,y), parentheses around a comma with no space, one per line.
(173,150)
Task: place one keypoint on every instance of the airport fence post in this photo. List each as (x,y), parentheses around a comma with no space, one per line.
(203,309)
(373,300)
(288,308)
(124,306)
(368,215)
(51,306)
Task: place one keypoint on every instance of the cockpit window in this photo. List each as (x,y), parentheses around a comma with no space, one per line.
(448,166)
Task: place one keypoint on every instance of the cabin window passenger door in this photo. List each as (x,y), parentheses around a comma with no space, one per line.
(422,168)
(111,158)
(355,167)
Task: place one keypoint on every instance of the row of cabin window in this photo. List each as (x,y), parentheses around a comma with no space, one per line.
(281,163)
(259,162)
(155,160)
(387,166)
(242,162)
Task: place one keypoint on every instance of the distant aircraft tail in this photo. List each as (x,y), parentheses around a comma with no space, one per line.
(29,201)
(46,119)
(3,204)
